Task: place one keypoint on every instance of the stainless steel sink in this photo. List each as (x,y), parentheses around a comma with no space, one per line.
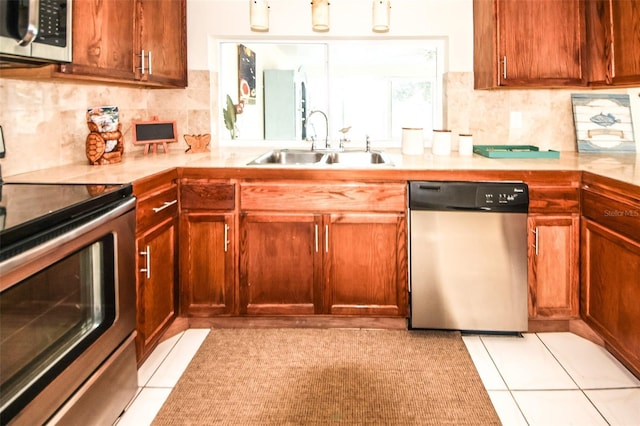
(292,157)
(358,158)
(289,157)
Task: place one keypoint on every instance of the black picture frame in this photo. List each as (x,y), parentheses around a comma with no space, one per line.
(2,148)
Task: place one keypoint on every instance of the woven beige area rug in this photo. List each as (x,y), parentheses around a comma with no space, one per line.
(329,376)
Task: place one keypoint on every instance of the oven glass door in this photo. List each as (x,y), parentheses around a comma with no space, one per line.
(49,318)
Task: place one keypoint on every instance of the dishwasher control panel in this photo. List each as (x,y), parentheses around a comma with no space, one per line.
(482,196)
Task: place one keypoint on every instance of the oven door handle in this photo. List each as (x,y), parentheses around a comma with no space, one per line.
(32,23)
(34,255)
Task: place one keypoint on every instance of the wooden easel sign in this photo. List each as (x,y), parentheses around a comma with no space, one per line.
(153,133)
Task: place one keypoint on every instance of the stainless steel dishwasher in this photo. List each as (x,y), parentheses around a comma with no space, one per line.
(468,243)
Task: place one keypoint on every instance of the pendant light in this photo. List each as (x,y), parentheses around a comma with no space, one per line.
(320,15)
(259,15)
(381,15)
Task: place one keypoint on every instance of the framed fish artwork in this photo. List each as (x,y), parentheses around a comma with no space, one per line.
(603,123)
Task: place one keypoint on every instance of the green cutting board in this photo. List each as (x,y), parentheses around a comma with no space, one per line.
(514,151)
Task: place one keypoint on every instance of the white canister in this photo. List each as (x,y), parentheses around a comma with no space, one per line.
(441,142)
(412,140)
(465,144)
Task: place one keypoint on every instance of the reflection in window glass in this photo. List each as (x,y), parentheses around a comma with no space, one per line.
(374,88)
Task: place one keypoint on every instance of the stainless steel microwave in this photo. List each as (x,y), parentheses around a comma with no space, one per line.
(34,32)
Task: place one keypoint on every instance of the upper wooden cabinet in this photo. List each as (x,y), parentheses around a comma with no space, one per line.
(528,43)
(613,34)
(140,42)
(103,39)
(161,42)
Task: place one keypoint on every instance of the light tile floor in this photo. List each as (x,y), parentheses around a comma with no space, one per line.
(547,379)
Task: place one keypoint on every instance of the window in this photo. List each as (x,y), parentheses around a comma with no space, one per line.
(373,87)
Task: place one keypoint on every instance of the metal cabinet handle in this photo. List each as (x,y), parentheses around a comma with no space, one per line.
(226,237)
(147,268)
(150,63)
(164,206)
(33,21)
(316,237)
(141,68)
(326,238)
(504,67)
(535,244)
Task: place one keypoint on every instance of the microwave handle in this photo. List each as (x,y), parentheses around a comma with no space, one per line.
(32,23)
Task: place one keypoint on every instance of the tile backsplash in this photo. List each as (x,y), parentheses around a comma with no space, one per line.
(44,123)
(546,114)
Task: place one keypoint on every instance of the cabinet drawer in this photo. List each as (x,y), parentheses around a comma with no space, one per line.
(554,199)
(616,214)
(339,196)
(156,206)
(204,195)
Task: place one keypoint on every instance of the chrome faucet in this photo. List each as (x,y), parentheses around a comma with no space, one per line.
(326,128)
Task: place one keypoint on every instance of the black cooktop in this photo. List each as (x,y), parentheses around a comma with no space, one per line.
(28,209)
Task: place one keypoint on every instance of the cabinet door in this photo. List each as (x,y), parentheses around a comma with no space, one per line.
(280,264)
(553,267)
(102,39)
(610,265)
(625,20)
(613,33)
(540,42)
(156,283)
(163,38)
(206,264)
(364,264)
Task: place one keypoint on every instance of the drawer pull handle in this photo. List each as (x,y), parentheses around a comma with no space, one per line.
(147,268)
(164,206)
(316,237)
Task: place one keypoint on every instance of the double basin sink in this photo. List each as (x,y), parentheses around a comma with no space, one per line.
(300,157)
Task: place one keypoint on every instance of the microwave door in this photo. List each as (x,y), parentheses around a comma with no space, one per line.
(35,33)
(18,26)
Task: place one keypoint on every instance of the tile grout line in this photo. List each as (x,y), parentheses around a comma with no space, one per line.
(572,379)
(504,381)
(155,370)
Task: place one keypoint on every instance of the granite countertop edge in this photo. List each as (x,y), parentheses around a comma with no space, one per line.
(136,165)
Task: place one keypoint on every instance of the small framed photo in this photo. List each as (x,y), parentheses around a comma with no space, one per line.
(603,123)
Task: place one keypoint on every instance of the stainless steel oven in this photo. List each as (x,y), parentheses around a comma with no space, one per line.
(67,304)
(35,32)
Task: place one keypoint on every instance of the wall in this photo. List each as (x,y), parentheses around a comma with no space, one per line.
(44,122)
(547,118)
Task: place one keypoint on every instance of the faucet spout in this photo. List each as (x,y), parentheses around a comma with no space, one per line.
(326,126)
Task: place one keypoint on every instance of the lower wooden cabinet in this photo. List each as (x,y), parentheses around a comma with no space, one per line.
(157,267)
(553,250)
(207,264)
(157,263)
(280,264)
(610,268)
(311,260)
(207,247)
(364,264)
(553,266)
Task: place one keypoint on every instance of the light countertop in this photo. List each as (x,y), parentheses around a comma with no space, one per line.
(135,165)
